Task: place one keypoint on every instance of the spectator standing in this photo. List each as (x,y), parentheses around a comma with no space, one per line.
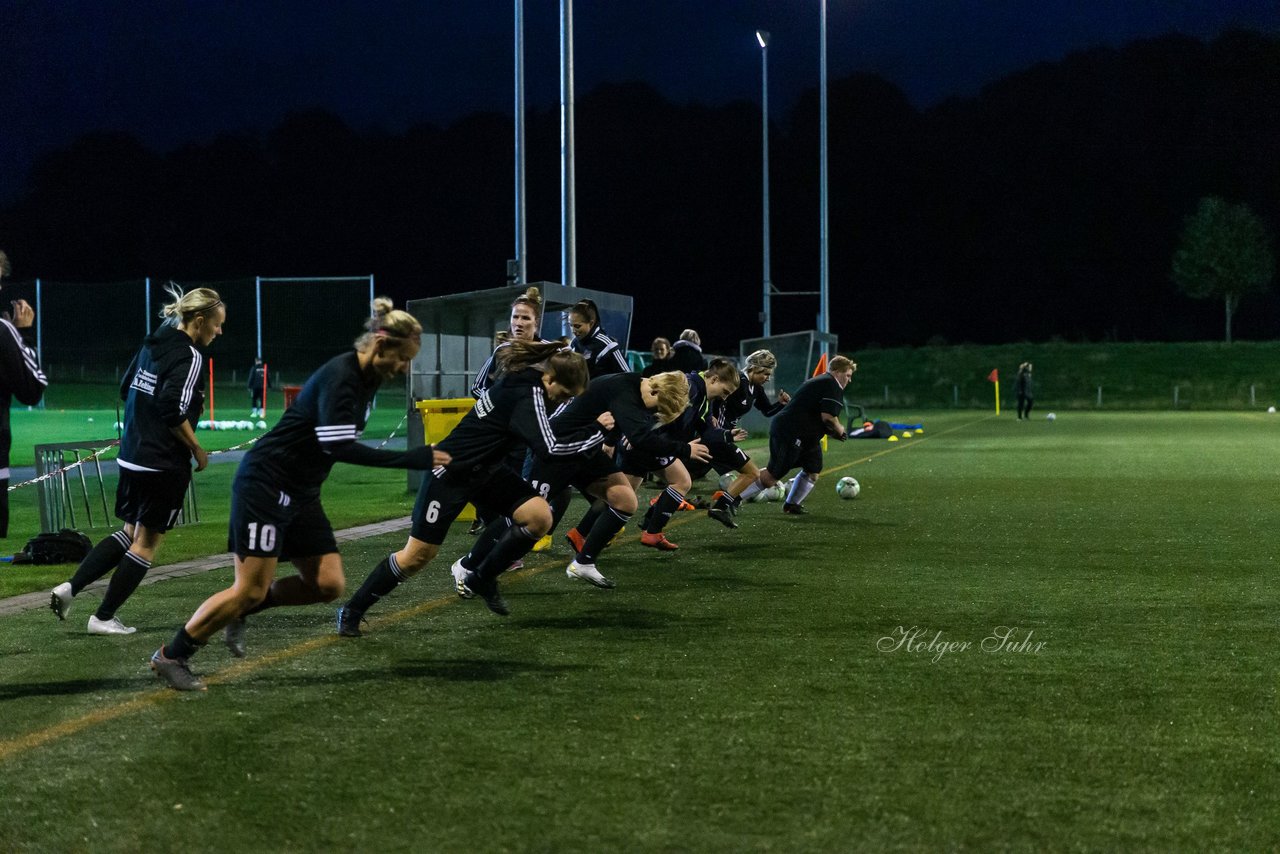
(257,379)
(20,377)
(687,353)
(1024,387)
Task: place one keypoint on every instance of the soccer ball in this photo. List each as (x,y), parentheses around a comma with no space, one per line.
(1051,417)
(847,487)
(727,479)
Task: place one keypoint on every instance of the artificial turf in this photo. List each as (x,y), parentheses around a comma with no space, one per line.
(1111,575)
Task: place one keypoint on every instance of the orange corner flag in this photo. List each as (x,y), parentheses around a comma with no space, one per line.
(822,366)
(994,376)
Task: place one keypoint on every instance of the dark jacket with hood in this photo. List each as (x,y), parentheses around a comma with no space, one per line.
(163,387)
(20,377)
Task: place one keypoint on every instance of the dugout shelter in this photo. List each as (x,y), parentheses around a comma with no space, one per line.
(458,336)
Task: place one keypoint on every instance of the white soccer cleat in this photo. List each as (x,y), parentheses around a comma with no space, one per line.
(459,577)
(60,600)
(109,627)
(588,572)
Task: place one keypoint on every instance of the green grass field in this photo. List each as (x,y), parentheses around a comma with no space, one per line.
(752,691)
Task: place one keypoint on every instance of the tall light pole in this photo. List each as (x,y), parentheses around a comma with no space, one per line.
(824,319)
(762,36)
(568,199)
(522,264)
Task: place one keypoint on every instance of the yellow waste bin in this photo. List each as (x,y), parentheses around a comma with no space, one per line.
(438,418)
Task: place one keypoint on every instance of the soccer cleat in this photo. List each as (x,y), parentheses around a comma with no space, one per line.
(657,541)
(486,590)
(518,563)
(349,623)
(476,527)
(543,544)
(175,672)
(794,509)
(109,627)
(233,636)
(576,540)
(722,511)
(459,575)
(60,600)
(588,572)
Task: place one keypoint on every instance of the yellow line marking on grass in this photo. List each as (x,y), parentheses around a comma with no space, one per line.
(240,669)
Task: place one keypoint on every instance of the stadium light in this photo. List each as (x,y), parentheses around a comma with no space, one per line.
(824,319)
(762,36)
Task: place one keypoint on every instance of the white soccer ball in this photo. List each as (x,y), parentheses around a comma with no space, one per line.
(727,479)
(262,425)
(1271,410)
(1051,417)
(847,487)
(244,425)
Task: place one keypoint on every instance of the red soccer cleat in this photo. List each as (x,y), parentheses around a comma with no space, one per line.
(657,541)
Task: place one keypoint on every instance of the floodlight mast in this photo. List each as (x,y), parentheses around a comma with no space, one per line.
(521,265)
(762,37)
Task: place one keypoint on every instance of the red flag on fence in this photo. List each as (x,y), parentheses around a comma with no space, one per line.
(822,366)
(994,376)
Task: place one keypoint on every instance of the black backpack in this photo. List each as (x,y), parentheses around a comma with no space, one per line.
(65,546)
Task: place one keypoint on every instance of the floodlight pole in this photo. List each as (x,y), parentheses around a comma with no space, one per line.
(257,298)
(824,320)
(568,201)
(147,286)
(762,37)
(521,231)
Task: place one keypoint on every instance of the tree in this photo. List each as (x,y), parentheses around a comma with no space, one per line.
(1225,252)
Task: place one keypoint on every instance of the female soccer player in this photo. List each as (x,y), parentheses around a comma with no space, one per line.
(163,394)
(526,320)
(514,411)
(603,354)
(795,436)
(631,403)
(750,392)
(275,500)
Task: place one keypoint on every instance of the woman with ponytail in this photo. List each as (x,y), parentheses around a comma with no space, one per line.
(275,499)
(603,354)
(163,394)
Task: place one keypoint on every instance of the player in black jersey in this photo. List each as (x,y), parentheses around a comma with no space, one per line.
(526,320)
(631,401)
(20,378)
(703,420)
(514,411)
(750,392)
(603,354)
(795,437)
(275,503)
(163,394)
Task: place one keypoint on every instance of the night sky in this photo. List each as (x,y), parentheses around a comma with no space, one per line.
(171,71)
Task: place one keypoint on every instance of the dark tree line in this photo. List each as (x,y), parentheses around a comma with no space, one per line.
(1049,205)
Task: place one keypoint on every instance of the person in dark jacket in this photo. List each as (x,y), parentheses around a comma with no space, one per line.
(276,512)
(603,354)
(662,359)
(1024,387)
(20,377)
(750,393)
(687,353)
(257,380)
(163,394)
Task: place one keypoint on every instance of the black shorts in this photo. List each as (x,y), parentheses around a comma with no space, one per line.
(495,491)
(580,471)
(151,498)
(267,522)
(788,452)
(725,458)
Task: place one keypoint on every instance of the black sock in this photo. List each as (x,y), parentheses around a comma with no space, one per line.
(560,505)
(610,523)
(515,544)
(103,558)
(661,511)
(588,521)
(384,578)
(128,575)
(485,542)
(182,646)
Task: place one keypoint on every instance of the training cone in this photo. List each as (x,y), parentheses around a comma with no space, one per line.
(906,434)
(919,429)
(893,438)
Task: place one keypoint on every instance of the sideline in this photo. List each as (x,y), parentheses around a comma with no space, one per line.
(152,697)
